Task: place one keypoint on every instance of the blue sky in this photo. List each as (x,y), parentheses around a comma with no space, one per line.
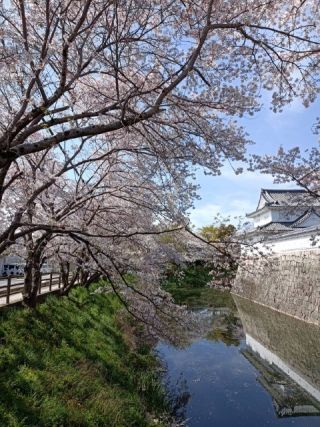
(232,195)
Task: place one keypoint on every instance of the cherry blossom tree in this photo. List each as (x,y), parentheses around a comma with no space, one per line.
(294,165)
(106,109)
(107,202)
(164,70)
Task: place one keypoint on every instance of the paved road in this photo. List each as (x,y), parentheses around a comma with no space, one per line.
(16,290)
(19,280)
(17,287)
(18,296)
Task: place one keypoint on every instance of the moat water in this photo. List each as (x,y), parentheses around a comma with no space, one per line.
(254,368)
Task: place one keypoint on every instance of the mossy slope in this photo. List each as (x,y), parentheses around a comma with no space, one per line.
(72,364)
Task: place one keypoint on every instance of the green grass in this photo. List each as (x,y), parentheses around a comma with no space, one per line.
(76,363)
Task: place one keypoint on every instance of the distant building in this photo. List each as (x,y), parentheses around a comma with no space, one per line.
(279,211)
(11,265)
(286,219)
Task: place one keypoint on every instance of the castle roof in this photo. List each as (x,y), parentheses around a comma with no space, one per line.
(284,198)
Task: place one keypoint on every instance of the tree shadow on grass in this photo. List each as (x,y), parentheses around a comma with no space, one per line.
(63,356)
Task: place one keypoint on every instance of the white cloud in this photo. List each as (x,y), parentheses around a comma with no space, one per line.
(240,207)
(229,195)
(287,118)
(204,215)
(231,210)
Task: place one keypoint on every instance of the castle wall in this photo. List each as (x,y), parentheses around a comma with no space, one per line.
(288,282)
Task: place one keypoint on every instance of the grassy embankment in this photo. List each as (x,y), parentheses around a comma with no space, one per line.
(76,362)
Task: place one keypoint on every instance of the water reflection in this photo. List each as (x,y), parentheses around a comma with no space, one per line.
(225,326)
(254,367)
(286,352)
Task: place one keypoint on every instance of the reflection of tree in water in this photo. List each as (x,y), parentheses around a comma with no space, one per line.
(226,327)
(178,397)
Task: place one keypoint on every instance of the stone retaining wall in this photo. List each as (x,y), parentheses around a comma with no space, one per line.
(289,283)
